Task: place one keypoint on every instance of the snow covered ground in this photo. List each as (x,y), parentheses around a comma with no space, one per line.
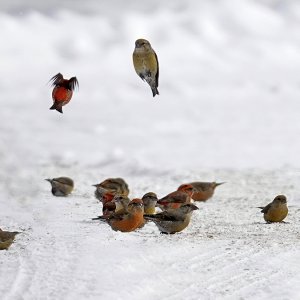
(228,110)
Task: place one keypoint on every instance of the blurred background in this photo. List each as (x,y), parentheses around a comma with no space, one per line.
(229,84)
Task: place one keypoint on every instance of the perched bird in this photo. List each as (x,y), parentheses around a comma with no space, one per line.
(127,221)
(149,200)
(7,238)
(116,186)
(203,190)
(176,199)
(146,64)
(61,186)
(63,91)
(275,211)
(174,220)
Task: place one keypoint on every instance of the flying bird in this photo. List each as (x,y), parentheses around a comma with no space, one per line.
(63,91)
(146,64)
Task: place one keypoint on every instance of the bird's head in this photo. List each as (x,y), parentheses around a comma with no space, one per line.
(142,43)
(136,205)
(149,198)
(280,199)
(187,208)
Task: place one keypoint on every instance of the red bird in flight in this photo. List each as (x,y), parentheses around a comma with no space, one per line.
(63,91)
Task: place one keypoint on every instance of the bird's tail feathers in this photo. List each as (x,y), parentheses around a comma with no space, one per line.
(57,106)
(220,183)
(154,91)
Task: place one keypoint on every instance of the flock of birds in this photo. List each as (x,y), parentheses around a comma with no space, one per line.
(126,215)
(118,211)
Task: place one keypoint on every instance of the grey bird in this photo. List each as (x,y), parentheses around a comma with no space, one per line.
(173,220)
(61,186)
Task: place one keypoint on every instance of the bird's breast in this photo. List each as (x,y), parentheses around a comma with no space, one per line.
(62,94)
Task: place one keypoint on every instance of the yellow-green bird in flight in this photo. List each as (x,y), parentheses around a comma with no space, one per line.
(146,64)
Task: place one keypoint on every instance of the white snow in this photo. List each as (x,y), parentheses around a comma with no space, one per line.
(228,110)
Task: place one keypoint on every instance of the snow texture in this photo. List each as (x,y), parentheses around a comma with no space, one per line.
(228,110)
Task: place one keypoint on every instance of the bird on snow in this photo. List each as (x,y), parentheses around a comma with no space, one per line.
(61,186)
(276,211)
(126,221)
(176,199)
(116,186)
(149,200)
(173,220)
(203,190)
(7,238)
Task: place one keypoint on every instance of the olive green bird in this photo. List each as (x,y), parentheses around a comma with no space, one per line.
(146,64)
(276,211)
(7,238)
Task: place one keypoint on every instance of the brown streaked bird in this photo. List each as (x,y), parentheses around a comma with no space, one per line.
(174,220)
(61,186)
(276,211)
(127,221)
(116,186)
(203,190)
(176,199)
(146,64)
(7,238)
(63,91)
(149,200)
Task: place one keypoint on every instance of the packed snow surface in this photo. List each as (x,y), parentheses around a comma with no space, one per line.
(228,110)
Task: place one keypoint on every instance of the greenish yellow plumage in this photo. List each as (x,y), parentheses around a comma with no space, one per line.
(6,238)
(146,64)
(276,211)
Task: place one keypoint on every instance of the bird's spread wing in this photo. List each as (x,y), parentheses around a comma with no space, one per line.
(57,79)
(73,82)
